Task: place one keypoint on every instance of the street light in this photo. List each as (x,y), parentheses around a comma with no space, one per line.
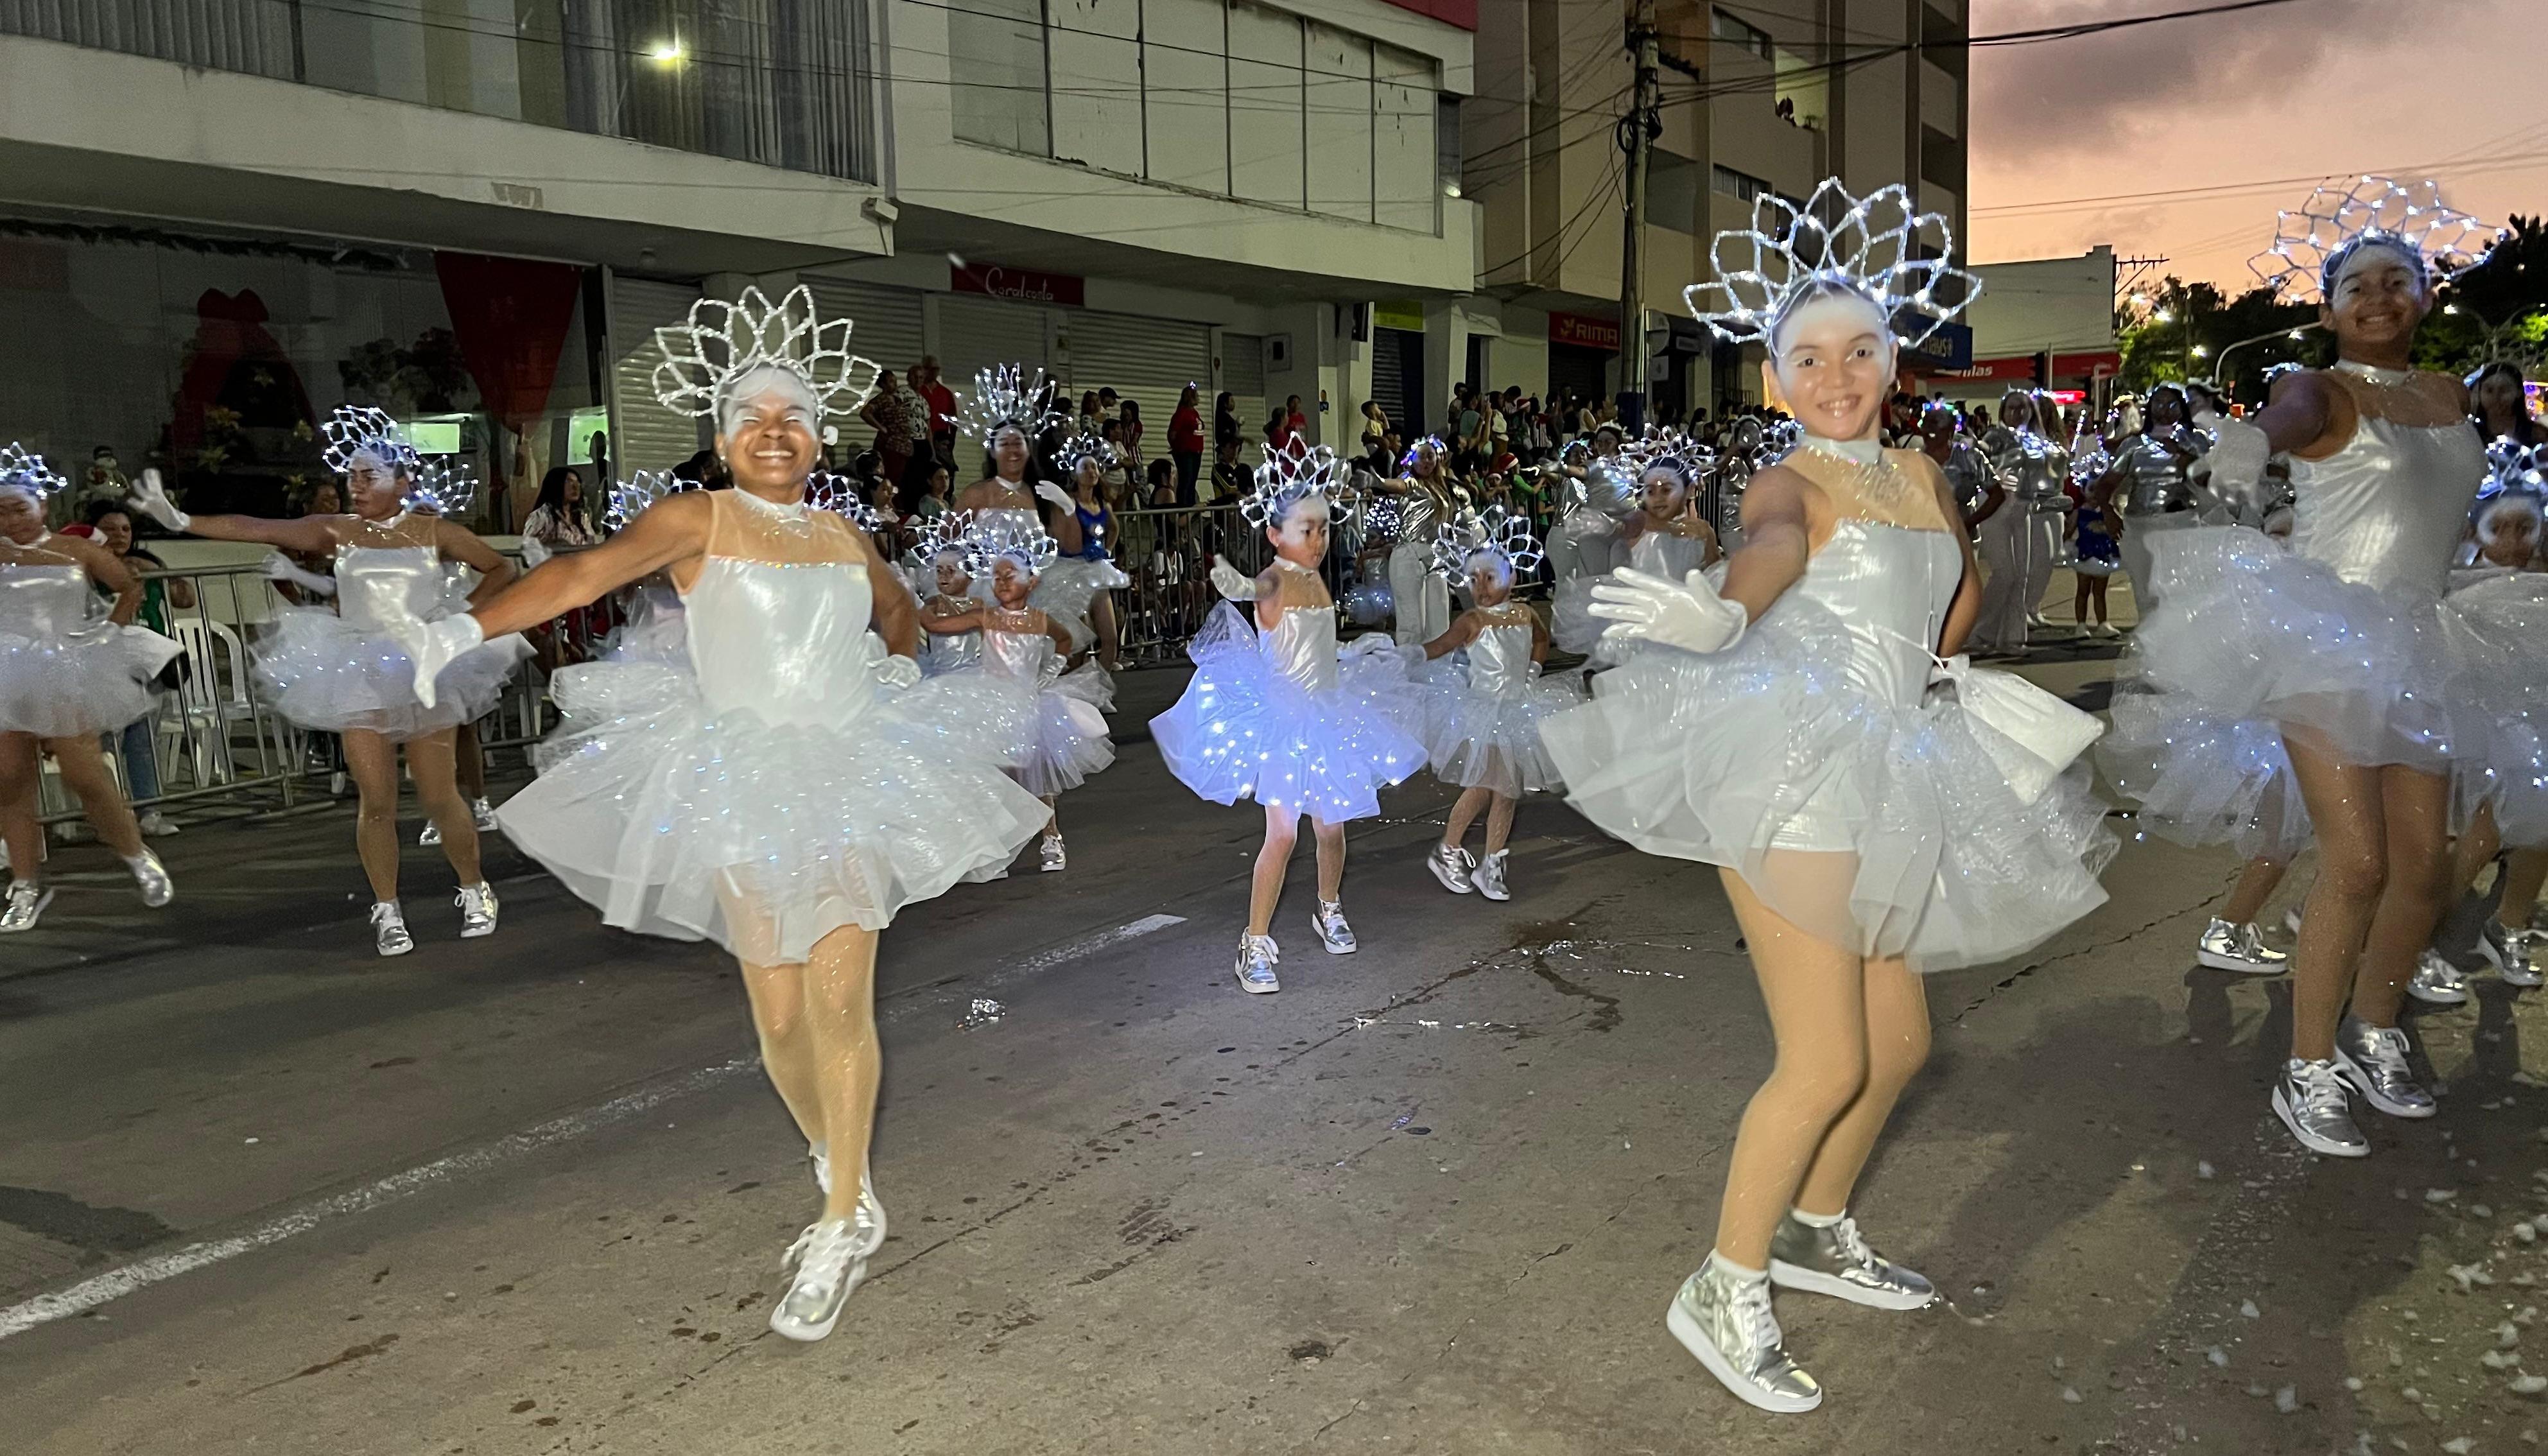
(2221,368)
(667,53)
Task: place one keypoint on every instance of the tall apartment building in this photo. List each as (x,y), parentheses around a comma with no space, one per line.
(1764,96)
(219,219)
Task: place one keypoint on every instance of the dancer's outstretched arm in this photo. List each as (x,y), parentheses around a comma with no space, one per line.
(670,531)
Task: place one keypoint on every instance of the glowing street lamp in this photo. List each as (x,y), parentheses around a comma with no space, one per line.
(667,53)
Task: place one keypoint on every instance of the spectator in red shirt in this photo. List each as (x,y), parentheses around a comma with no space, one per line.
(1295,423)
(1185,443)
(941,406)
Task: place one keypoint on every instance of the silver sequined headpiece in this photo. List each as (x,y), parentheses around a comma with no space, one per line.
(990,539)
(2312,242)
(1670,449)
(23,470)
(1081,447)
(362,429)
(723,341)
(1880,247)
(1291,475)
(1493,533)
(444,486)
(1433,443)
(1003,398)
(630,497)
(942,533)
(839,495)
(2517,480)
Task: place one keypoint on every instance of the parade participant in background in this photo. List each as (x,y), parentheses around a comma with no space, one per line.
(1425,496)
(345,672)
(1784,729)
(780,783)
(2149,488)
(1979,492)
(2022,541)
(1666,536)
(2337,642)
(1483,705)
(1063,739)
(1007,416)
(135,747)
(946,597)
(68,674)
(1274,715)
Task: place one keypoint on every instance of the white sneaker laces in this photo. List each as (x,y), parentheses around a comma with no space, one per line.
(822,1254)
(2321,1089)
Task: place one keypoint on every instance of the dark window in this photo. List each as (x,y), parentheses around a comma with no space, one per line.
(1943,41)
(1740,184)
(1941,159)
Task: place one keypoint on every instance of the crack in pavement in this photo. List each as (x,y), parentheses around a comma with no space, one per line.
(2092,948)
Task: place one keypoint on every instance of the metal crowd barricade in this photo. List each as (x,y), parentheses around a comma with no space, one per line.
(1167,551)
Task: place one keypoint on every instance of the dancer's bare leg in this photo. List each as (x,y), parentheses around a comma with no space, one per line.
(2346,806)
(2524,872)
(2256,885)
(1265,891)
(1897,1046)
(430,763)
(1500,820)
(2474,850)
(1331,858)
(21,775)
(372,762)
(839,984)
(469,761)
(1464,812)
(2415,815)
(85,775)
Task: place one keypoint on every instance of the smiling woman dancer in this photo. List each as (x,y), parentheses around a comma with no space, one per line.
(2337,644)
(1783,730)
(781,786)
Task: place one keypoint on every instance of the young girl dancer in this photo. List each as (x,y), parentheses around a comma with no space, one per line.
(1424,496)
(778,784)
(345,672)
(1008,417)
(1666,538)
(1481,711)
(1273,715)
(1065,740)
(66,676)
(2337,643)
(2020,540)
(950,617)
(1782,730)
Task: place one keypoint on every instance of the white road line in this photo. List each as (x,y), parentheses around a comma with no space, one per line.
(132,1278)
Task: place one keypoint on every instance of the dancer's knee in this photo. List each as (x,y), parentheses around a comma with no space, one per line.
(2353,872)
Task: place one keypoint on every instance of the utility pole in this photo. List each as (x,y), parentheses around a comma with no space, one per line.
(1636,135)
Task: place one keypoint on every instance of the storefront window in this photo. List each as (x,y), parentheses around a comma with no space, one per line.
(216,358)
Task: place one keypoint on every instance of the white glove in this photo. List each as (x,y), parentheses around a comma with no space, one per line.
(1060,497)
(281,568)
(1369,644)
(1687,615)
(897,671)
(1227,580)
(432,646)
(150,497)
(2237,460)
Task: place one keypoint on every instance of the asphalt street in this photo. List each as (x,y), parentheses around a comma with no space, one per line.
(260,1191)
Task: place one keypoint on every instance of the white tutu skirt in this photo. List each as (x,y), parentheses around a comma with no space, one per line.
(2248,632)
(2204,781)
(1887,830)
(1571,623)
(1244,731)
(1068,593)
(2498,633)
(1069,739)
(94,680)
(668,817)
(1478,740)
(327,674)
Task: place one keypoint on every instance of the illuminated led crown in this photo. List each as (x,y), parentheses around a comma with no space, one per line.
(723,340)
(839,495)
(630,497)
(1291,475)
(23,470)
(942,533)
(1081,447)
(2312,243)
(1880,246)
(360,429)
(1667,447)
(1003,397)
(1423,442)
(444,486)
(1005,536)
(1494,532)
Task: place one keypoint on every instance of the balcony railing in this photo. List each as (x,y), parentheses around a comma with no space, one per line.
(781,82)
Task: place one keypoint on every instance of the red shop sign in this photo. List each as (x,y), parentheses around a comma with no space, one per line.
(1575,328)
(1023,284)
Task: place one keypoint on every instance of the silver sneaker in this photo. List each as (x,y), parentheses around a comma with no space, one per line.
(156,825)
(477,910)
(2373,1059)
(2310,1099)
(2241,947)
(1256,958)
(1489,877)
(388,929)
(1725,1321)
(1334,933)
(1055,857)
(483,814)
(2514,953)
(27,902)
(431,835)
(1835,1260)
(1450,865)
(2438,982)
(157,889)
(831,1262)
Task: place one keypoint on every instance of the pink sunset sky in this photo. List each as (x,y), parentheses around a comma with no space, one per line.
(2182,139)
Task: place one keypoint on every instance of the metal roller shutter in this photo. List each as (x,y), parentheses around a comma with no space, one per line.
(646,435)
(1149,361)
(884,329)
(1390,350)
(975,335)
(1242,373)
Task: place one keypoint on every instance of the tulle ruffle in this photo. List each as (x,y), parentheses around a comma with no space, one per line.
(1068,593)
(1069,736)
(648,804)
(2245,630)
(1571,623)
(1888,830)
(1478,740)
(1243,731)
(2206,780)
(2496,629)
(94,680)
(329,676)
